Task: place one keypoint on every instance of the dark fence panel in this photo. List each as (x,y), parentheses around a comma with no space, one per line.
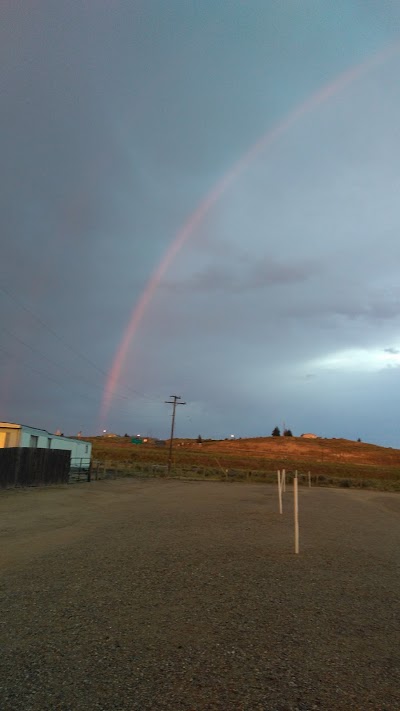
(23,466)
(8,462)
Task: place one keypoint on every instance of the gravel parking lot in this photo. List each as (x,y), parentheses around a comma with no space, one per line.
(156,594)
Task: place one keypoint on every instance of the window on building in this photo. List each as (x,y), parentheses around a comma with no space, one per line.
(86,449)
(49,443)
(33,441)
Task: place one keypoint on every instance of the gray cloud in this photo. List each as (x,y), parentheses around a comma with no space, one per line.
(264,274)
(115,127)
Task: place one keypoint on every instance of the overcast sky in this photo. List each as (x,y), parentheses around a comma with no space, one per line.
(283,305)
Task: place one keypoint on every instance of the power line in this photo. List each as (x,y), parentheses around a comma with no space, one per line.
(54,363)
(174,402)
(63,386)
(29,367)
(67,345)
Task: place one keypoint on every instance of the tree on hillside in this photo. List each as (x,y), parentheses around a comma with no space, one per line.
(199,439)
(276,432)
(288,433)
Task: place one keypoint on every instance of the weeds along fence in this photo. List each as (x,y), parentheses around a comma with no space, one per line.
(23,466)
(112,470)
(39,467)
(109,469)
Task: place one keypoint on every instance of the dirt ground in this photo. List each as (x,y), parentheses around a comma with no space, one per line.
(155,594)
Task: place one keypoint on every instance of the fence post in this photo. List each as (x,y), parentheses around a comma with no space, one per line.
(309,480)
(280,491)
(283,480)
(89,474)
(296,513)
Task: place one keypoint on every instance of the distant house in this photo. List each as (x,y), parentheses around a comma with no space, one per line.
(309,435)
(160,442)
(14,435)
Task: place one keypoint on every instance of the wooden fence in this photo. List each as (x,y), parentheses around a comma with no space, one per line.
(23,466)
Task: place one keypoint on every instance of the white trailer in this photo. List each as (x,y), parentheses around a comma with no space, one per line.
(14,435)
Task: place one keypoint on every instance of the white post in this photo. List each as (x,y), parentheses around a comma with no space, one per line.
(283,480)
(280,491)
(309,480)
(296,513)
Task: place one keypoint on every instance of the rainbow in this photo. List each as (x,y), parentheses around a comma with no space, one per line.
(186,231)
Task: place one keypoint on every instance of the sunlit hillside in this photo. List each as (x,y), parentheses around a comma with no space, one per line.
(328,459)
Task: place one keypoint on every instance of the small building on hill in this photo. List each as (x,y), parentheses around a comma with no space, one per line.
(14,435)
(309,435)
(160,442)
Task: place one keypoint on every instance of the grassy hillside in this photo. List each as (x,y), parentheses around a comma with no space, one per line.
(331,460)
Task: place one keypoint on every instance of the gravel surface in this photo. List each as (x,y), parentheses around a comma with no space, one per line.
(128,594)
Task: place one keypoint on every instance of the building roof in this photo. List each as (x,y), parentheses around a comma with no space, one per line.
(14,426)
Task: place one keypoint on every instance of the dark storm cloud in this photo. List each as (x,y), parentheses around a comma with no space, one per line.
(117,120)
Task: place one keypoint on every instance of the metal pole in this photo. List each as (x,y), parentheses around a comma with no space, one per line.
(174,402)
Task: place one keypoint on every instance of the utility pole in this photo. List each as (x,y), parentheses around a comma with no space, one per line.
(174,402)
